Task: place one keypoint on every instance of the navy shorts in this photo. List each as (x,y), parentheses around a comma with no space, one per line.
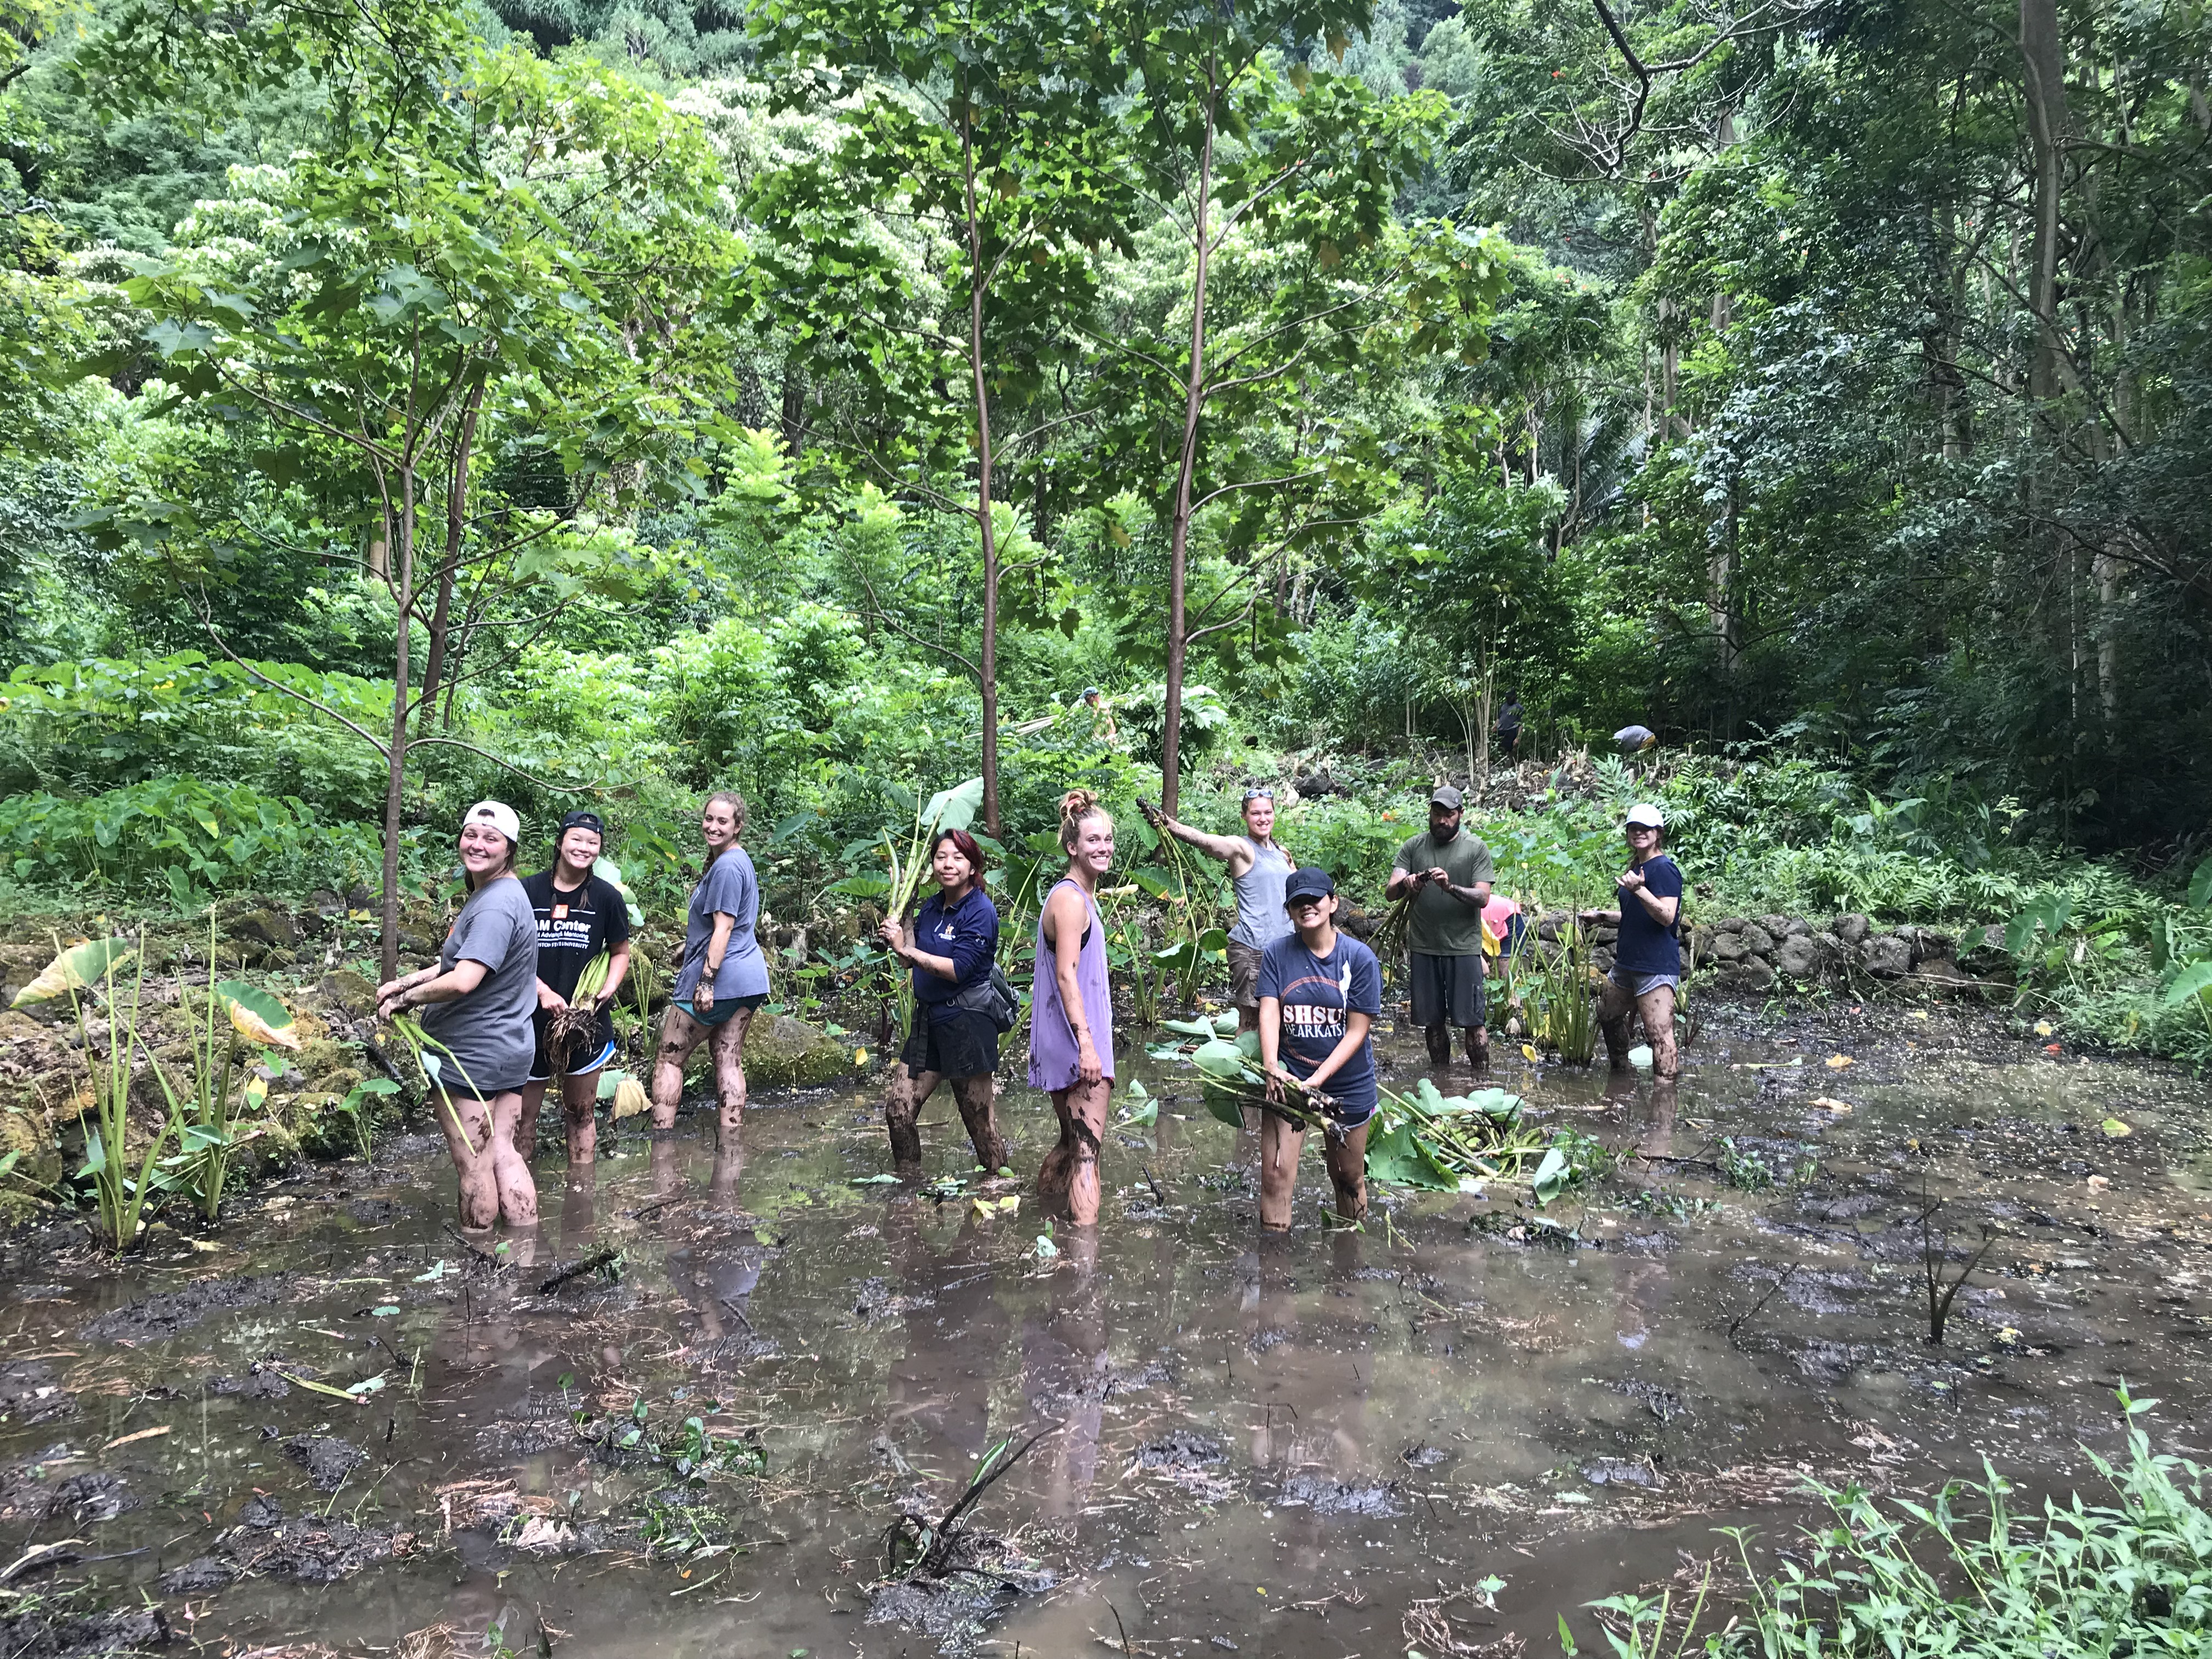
(1446,991)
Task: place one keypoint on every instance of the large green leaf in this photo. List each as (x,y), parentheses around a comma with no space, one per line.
(76,969)
(1216,1059)
(954,808)
(1197,1028)
(258,1017)
(1398,1157)
(2192,980)
(1551,1178)
(2200,886)
(1226,1104)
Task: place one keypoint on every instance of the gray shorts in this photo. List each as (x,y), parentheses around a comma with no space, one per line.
(1243,974)
(1446,991)
(1639,985)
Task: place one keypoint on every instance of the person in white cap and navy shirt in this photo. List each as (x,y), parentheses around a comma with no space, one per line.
(477,1006)
(1647,957)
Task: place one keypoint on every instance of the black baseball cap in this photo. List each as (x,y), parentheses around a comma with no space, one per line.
(583,821)
(1308,881)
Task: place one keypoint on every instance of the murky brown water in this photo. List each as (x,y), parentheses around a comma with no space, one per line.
(1281,1444)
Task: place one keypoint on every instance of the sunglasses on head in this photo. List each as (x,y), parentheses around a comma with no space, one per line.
(1251,795)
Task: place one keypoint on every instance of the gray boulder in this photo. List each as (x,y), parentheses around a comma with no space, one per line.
(1781,926)
(1853,929)
(1728,948)
(1756,974)
(1757,940)
(1729,925)
(781,1050)
(1798,957)
(1887,956)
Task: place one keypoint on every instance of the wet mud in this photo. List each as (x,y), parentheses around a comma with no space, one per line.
(730,1401)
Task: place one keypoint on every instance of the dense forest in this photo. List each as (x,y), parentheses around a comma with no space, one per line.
(563,400)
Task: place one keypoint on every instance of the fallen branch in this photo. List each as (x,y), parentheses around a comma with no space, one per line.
(605,1256)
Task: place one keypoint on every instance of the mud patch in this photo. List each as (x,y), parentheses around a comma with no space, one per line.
(172,1311)
(1325,1496)
(1180,1448)
(27,1493)
(54,1631)
(327,1459)
(29,1394)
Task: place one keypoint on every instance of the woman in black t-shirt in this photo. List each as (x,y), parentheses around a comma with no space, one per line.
(579,916)
(1647,954)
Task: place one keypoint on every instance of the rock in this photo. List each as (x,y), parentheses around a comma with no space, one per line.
(348,992)
(1852,929)
(327,1459)
(1798,957)
(325,903)
(320,1060)
(1929,945)
(1783,927)
(1834,953)
(1729,925)
(783,1051)
(1357,922)
(31,1135)
(1755,974)
(1941,970)
(1729,948)
(1983,952)
(1887,956)
(1757,940)
(265,927)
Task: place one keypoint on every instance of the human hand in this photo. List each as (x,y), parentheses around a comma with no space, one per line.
(702,998)
(1087,1066)
(1437,874)
(1630,881)
(550,1000)
(1278,1084)
(893,936)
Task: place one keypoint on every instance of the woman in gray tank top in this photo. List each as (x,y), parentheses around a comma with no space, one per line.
(1258,868)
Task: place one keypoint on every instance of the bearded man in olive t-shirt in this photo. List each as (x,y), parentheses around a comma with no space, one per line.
(1447,873)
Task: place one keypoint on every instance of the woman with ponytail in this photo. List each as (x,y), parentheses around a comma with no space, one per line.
(1072,1014)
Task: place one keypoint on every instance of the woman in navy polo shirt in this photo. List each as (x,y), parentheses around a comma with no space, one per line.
(1647,957)
(1320,994)
(954,942)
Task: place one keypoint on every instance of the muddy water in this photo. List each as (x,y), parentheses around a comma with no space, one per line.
(1288,1445)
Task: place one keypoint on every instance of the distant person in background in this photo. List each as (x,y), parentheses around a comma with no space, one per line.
(1447,875)
(1503,919)
(1321,993)
(477,1006)
(1257,869)
(1509,728)
(579,916)
(724,979)
(954,942)
(1647,956)
(1072,1010)
(1102,716)
(1635,739)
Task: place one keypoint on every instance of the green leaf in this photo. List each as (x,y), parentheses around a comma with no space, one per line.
(2200,886)
(1197,1028)
(2195,980)
(1551,1178)
(256,1016)
(76,969)
(1223,1060)
(954,808)
(1400,1159)
(1225,1105)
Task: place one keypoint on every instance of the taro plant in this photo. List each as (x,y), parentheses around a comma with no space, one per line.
(355,1109)
(121,1195)
(1564,1018)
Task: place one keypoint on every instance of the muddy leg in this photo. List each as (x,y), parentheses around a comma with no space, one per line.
(1614,1007)
(1059,1166)
(679,1036)
(1656,1007)
(1346,1155)
(518,1191)
(1478,1047)
(903,1098)
(727,1047)
(977,1097)
(1280,1142)
(467,1124)
(526,1125)
(580,1106)
(1439,1037)
(1086,1112)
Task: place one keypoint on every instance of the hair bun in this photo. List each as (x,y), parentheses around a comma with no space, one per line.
(1077,805)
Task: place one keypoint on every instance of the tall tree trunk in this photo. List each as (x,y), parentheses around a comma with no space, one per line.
(457,518)
(987,657)
(1179,530)
(2043,79)
(395,760)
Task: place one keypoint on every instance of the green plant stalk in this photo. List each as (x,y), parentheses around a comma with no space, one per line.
(121,1201)
(412,1032)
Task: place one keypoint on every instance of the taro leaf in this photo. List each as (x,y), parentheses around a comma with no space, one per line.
(954,808)
(1136,1090)
(1225,1024)
(76,969)
(258,1017)
(1213,942)
(1141,1114)
(1226,1104)
(1197,1028)
(1551,1178)
(1400,1159)
(1496,1105)
(1152,882)
(1248,1044)
(2193,980)
(2200,886)
(865,887)
(1432,1097)
(1216,1059)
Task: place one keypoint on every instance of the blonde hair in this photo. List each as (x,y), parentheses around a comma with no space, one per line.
(734,801)
(1078,807)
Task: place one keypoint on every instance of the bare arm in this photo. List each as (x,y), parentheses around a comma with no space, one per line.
(429,986)
(1231,850)
(1355,1027)
(1401,885)
(718,946)
(1271,1045)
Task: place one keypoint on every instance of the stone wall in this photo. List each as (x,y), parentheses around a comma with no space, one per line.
(1755,953)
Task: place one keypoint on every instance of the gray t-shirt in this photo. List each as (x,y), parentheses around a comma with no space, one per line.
(487,1032)
(1261,918)
(728,888)
(1439,925)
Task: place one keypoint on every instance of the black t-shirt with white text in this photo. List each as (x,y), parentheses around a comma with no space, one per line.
(574,926)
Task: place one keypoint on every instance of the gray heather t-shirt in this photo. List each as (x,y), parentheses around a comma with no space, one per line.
(1261,918)
(729,889)
(1439,925)
(489,1031)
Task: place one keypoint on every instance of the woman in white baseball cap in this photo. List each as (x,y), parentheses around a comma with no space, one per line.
(477,1006)
(1647,956)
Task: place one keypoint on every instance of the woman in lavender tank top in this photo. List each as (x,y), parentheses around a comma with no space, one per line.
(1071,1010)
